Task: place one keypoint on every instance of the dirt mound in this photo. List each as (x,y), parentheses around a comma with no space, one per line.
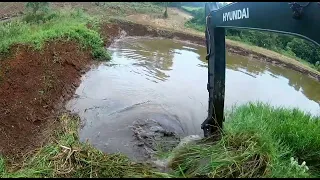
(134,29)
(33,86)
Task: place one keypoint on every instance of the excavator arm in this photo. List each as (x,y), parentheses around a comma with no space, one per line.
(300,19)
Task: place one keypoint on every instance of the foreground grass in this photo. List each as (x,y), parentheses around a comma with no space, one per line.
(259,141)
(65,156)
(66,24)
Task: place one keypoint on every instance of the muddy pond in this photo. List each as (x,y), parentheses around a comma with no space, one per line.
(159,86)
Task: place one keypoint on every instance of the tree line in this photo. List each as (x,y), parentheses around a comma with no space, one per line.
(284,44)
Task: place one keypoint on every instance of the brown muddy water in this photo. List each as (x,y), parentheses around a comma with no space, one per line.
(159,86)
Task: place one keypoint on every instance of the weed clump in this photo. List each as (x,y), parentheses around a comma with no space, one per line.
(66,24)
(259,141)
(66,156)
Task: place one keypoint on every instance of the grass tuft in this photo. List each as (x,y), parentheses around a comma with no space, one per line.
(67,24)
(65,156)
(259,141)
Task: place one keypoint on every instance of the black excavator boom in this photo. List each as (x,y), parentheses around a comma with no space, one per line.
(296,18)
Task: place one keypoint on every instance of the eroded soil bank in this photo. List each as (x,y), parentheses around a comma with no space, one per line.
(34,85)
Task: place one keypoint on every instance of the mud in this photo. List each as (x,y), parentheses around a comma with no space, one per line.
(133,29)
(150,136)
(33,87)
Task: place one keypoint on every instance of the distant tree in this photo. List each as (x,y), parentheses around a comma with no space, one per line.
(165,15)
(37,6)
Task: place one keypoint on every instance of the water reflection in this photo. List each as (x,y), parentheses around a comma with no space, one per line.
(300,82)
(157,57)
(166,81)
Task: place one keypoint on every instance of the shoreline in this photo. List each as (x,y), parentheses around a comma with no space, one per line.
(234,47)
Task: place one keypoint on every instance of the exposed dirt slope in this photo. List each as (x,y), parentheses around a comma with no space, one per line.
(33,86)
(175,21)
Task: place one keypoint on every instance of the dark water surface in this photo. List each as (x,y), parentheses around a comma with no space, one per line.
(165,81)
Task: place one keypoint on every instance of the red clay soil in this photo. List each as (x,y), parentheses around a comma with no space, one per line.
(33,86)
(117,28)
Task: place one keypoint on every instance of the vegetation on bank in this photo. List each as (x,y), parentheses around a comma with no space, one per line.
(259,141)
(288,45)
(65,156)
(37,27)
(196,22)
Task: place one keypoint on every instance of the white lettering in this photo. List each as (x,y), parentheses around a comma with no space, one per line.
(244,13)
(230,16)
(235,15)
(239,14)
(247,13)
(224,16)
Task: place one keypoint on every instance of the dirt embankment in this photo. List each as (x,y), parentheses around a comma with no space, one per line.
(33,87)
(110,31)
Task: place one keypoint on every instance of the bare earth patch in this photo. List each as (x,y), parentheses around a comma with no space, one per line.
(34,85)
(175,21)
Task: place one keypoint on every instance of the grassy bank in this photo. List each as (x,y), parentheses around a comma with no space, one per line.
(65,156)
(65,24)
(259,141)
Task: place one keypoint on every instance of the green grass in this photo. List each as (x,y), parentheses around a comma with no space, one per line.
(194,26)
(65,24)
(65,156)
(138,7)
(259,141)
(188,8)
